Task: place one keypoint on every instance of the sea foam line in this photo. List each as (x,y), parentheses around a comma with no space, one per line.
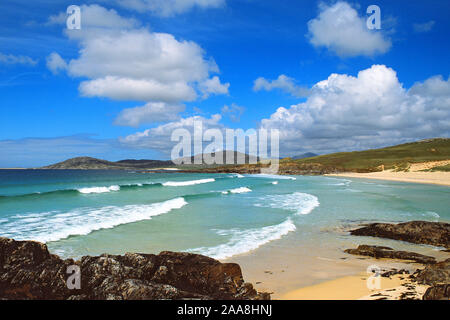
(270,176)
(300,203)
(187,183)
(243,241)
(238,190)
(83,221)
(99,189)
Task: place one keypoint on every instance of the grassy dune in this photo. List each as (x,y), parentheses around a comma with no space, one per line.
(397,157)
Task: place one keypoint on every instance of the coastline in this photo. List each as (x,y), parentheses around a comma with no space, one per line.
(355,288)
(437,178)
(303,272)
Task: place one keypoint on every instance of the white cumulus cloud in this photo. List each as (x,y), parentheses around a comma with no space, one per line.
(159,138)
(283,83)
(339,29)
(55,63)
(151,112)
(123,61)
(370,110)
(213,86)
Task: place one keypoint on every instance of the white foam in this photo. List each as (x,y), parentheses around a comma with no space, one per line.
(86,220)
(186,183)
(301,203)
(243,241)
(339,182)
(238,190)
(271,176)
(99,189)
(237,175)
(275,182)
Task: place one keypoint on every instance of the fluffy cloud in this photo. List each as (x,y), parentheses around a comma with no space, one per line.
(55,63)
(95,16)
(234,112)
(213,86)
(12,59)
(122,61)
(167,8)
(283,83)
(339,29)
(159,138)
(424,27)
(149,113)
(370,110)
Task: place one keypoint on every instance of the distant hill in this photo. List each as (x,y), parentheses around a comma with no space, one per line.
(223,155)
(305,155)
(88,163)
(396,157)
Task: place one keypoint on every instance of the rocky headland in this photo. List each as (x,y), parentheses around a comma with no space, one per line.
(29,271)
(435,274)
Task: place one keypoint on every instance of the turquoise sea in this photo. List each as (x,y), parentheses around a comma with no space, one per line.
(220,215)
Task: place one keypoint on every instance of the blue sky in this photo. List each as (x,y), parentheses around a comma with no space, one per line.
(64,94)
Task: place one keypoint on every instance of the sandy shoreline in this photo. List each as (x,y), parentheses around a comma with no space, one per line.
(322,271)
(438,178)
(357,288)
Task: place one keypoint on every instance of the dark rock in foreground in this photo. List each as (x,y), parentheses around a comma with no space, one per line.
(438,273)
(438,277)
(29,271)
(386,252)
(421,232)
(439,292)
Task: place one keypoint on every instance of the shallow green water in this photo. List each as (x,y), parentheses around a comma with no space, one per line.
(220,215)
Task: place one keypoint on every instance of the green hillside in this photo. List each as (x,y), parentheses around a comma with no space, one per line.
(396,157)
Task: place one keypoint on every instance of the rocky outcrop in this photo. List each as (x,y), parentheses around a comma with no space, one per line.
(421,232)
(386,252)
(439,292)
(438,273)
(438,277)
(29,271)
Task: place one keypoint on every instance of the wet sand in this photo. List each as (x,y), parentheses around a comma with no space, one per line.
(439,178)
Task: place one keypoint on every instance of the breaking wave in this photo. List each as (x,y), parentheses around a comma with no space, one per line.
(300,203)
(54,226)
(243,241)
(238,190)
(187,183)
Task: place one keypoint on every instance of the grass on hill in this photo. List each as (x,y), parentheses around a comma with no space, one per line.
(396,157)
(442,168)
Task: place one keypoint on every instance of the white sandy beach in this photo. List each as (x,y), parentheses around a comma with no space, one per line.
(415,174)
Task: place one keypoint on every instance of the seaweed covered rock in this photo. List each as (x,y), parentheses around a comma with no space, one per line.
(29,271)
(421,232)
(386,252)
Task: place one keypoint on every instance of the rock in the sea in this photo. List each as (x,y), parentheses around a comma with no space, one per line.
(438,292)
(421,232)
(386,252)
(438,273)
(29,271)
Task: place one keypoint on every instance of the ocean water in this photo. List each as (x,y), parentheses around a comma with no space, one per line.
(220,215)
